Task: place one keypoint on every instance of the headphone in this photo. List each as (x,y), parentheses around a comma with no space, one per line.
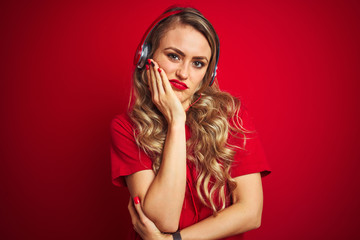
(144,48)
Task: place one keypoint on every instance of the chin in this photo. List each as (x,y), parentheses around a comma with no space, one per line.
(181,97)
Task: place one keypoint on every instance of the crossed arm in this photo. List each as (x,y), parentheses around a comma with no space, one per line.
(162,196)
(243,215)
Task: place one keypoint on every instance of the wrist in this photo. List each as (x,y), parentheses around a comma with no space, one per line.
(167,236)
(177,124)
(177,118)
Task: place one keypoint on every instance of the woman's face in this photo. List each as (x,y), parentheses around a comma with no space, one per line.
(184,54)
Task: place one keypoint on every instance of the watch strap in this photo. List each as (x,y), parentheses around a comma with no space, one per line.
(177,236)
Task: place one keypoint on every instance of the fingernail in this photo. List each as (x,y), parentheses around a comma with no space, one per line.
(159,70)
(149,61)
(136,200)
(147,67)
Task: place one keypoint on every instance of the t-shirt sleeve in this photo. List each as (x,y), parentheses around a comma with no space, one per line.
(126,157)
(251,158)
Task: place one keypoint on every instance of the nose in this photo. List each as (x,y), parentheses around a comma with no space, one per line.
(182,72)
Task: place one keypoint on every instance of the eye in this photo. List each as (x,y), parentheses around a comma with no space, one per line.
(173,56)
(198,64)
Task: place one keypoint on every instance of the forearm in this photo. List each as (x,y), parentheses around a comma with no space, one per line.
(164,198)
(231,221)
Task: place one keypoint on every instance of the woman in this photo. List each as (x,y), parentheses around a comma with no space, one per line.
(192,169)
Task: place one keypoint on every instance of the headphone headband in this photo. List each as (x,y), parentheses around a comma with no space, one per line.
(139,51)
(143,50)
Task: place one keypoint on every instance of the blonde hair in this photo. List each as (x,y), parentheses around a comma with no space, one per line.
(210,119)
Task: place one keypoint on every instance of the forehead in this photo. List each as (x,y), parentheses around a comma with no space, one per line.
(187,39)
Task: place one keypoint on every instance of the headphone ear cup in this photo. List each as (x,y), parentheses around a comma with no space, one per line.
(213,75)
(144,55)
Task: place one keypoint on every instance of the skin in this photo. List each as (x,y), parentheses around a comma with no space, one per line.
(242,216)
(183,54)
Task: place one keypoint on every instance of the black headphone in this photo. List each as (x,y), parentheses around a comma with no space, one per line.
(144,48)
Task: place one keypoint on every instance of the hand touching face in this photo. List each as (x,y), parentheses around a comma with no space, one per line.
(162,94)
(184,55)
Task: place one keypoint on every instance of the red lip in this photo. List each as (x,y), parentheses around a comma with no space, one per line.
(178,84)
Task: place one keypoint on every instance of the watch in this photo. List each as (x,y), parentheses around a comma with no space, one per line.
(176,235)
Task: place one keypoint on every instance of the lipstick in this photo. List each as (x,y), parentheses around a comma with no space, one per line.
(178,84)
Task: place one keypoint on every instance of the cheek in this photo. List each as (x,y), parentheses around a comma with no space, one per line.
(165,64)
(198,79)
(168,66)
(199,76)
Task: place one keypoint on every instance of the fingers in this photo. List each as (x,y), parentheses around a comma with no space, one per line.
(165,80)
(160,74)
(136,213)
(142,225)
(159,80)
(151,79)
(155,78)
(139,211)
(132,211)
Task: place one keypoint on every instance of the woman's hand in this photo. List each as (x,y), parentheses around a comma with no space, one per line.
(143,225)
(163,96)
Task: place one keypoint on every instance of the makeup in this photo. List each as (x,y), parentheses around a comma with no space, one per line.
(178,84)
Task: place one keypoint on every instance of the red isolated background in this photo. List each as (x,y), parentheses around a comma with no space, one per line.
(65,72)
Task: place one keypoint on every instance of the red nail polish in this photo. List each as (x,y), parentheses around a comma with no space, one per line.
(149,61)
(159,70)
(136,200)
(147,67)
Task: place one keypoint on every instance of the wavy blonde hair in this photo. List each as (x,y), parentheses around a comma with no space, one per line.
(211,119)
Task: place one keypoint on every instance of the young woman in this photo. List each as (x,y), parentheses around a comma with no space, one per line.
(184,149)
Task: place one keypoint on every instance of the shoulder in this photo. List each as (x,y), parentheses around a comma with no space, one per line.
(126,156)
(241,118)
(246,118)
(250,157)
(121,123)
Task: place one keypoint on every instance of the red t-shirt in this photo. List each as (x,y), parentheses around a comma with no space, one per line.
(128,158)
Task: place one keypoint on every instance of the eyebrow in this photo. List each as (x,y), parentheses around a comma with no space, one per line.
(183,54)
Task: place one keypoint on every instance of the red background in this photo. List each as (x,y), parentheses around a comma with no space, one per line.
(66,68)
